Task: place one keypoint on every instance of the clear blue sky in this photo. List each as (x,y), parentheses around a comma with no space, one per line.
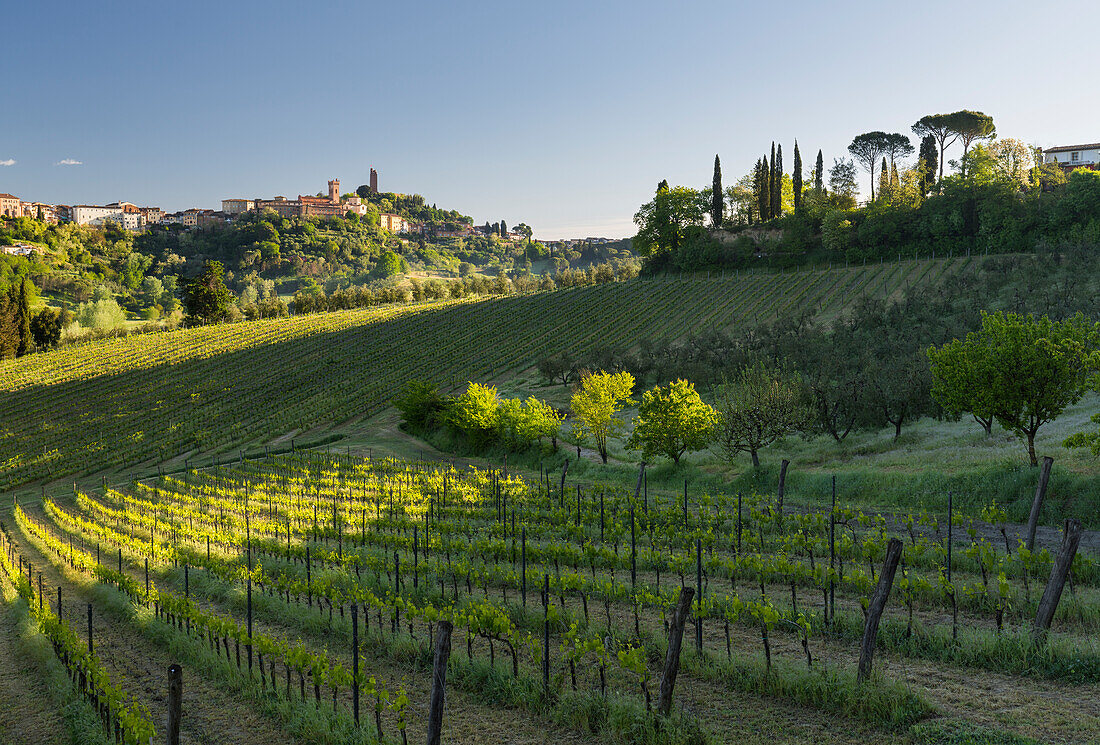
(563,115)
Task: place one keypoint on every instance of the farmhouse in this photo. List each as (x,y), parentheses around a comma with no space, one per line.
(1070,157)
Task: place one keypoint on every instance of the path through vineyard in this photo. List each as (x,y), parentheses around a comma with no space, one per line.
(213,713)
(28,714)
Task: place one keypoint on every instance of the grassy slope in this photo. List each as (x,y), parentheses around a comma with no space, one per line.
(125,404)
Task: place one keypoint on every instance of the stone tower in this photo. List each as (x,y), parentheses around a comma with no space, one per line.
(334,191)
(373,181)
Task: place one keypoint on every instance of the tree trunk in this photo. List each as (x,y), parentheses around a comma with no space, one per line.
(875,608)
(755,458)
(987,424)
(1037,503)
(672,658)
(1031,448)
(1071,537)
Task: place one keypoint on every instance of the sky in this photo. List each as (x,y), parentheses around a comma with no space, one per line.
(561,115)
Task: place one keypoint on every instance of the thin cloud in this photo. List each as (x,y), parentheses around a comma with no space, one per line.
(69,162)
(8,162)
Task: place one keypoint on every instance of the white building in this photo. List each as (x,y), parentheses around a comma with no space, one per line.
(1073,156)
(123,214)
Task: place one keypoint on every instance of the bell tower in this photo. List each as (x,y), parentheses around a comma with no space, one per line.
(373,181)
(334,191)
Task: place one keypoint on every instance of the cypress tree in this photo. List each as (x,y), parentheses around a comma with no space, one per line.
(717,198)
(796,177)
(927,162)
(23,319)
(763,188)
(777,182)
(884,178)
(7,325)
(771,185)
(819,178)
(895,182)
(503,229)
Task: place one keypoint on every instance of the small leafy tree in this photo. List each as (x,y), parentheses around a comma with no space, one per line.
(758,407)
(671,421)
(206,297)
(1022,370)
(595,403)
(476,413)
(421,404)
(46,328)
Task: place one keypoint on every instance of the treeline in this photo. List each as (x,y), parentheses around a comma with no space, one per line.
(998,196)
(421,290)
(868,369)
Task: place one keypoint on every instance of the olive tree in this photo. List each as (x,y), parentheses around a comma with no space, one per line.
(1021,370)
(758,407)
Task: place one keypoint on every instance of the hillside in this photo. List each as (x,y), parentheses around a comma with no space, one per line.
(128,404)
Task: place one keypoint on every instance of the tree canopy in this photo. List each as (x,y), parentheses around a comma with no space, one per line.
(758,407)
(1021,370)
(671,421)
(598,398)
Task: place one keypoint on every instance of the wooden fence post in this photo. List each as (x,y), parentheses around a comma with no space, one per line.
(175,702)
(439,680)
(672,657)
(877,605)
(1037,503)
(1071,537)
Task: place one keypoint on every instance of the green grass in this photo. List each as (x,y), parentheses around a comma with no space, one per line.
(962,733)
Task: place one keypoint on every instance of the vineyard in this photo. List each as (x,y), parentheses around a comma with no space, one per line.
(133,403)
(302,594)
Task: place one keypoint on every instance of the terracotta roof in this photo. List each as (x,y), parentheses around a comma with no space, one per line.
(1064,148)
(8,196)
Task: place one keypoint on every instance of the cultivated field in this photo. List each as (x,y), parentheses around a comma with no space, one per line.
(292,544)
(130,404)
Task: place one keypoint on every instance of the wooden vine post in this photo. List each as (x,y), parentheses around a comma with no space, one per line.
(249,645)
(175,703)
(876,607)
(1071,538)
(782,488)
(832,558)
(699,601)
(355,661)
(672,657)
(546,634)
(523,563)
(1037,503)
(440,656)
